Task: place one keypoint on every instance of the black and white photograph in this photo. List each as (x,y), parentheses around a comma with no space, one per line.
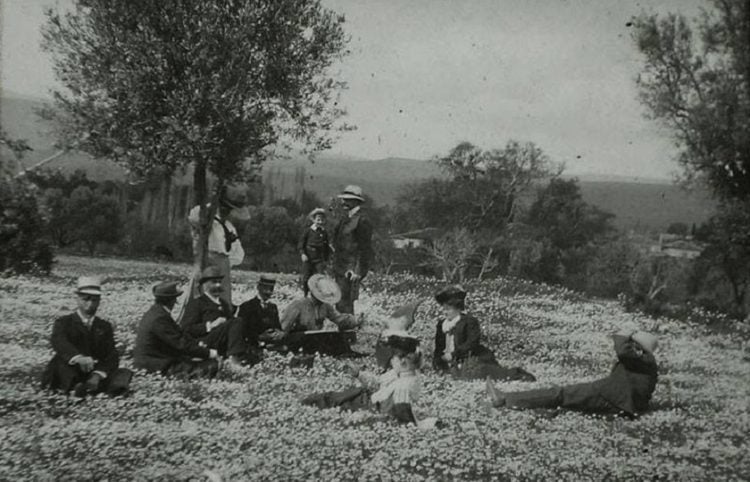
(365,240)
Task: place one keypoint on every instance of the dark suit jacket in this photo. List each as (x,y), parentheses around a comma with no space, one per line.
(200,311)
(352,245)
(71,337)
(314,244)
(257,320)
(466,337)
(160,342)
(632,381)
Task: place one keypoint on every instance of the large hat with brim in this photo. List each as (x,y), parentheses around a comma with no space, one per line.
(235,198)
(167,289)
(89,285)
(316,211)
(403,317)
(209,273)
(450,293)
(352,192)
(647,341)
(324,288)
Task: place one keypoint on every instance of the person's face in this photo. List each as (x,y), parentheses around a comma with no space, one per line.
(213,287)
(450,311)
(88,304)
(319,220)
(350,204)
(265,292)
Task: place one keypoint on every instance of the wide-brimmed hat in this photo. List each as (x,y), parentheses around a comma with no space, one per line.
(403,317)
(404,344)
(352,192)
(266,281)
(167,289)
(316,211)
(209,273)
(450,294)
(647,341)
(89,285)
(324,288)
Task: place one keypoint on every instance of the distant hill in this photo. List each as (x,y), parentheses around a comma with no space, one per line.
(642,204)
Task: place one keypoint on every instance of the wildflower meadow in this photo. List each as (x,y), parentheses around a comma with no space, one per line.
(249,425)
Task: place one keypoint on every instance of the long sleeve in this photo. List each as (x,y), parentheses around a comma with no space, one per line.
(291,316)
(192,321)
(467,342)
(169,333)
(632,356)
(61,342)
(303,241)
(110,359)
(343,320)
(363,235)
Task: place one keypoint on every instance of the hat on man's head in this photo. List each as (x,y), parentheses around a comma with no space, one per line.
(89,285)
(647,341)
(209,273)
(235,198)
(266,281)
(166,289)
(450,294)
(352,192)
(324,288)
(316,211)
(403,317)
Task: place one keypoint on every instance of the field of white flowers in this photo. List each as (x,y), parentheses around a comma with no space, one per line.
(250,426)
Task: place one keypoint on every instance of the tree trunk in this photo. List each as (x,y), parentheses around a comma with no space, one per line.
(200,244)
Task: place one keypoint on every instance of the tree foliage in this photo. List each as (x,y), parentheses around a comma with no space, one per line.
(696,80)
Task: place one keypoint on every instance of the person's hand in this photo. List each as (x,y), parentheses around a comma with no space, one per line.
(351,370)
(304,258)
(447,357)
(86,363)
(218,322)
(213,354)
(277,335)
(92,384)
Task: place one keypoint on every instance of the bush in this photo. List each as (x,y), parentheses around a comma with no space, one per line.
(23,246)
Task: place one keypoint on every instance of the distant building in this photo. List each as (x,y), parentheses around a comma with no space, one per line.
(416,239)
(678,246)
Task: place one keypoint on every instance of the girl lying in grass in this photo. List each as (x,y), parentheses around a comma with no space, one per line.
(391,393)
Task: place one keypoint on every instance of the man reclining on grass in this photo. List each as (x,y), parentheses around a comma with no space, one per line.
(162,347)
(628,388)
(86,360)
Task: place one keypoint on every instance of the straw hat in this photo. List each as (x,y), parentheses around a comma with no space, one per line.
(324,288)
(89,285)
(450,293)
(352,192)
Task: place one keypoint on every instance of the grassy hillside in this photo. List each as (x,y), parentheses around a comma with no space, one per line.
(637,205)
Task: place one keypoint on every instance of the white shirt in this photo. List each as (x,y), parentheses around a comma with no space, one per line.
(450,340)
(216,237)
(354,211)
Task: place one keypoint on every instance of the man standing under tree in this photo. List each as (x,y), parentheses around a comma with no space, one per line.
(352,246)
(224,246)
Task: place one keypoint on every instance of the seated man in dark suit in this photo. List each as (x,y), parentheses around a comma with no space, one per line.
(162,347)
(627,389)
(210,319)
(260,316)
(86,360)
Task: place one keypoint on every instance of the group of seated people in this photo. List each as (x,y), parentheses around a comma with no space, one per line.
(212,330)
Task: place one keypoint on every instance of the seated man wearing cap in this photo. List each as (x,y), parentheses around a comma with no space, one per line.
(627,389)
(86,360)
(260,316)
(224,246)
(162,347)
(308,315)
(352,248)
(210,319)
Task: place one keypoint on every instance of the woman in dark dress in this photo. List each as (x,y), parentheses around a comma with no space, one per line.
(458,350)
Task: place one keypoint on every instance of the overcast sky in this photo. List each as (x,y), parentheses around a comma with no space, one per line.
(426,74)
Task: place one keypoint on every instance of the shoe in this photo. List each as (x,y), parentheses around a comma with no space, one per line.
(79,390)
(495,396)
